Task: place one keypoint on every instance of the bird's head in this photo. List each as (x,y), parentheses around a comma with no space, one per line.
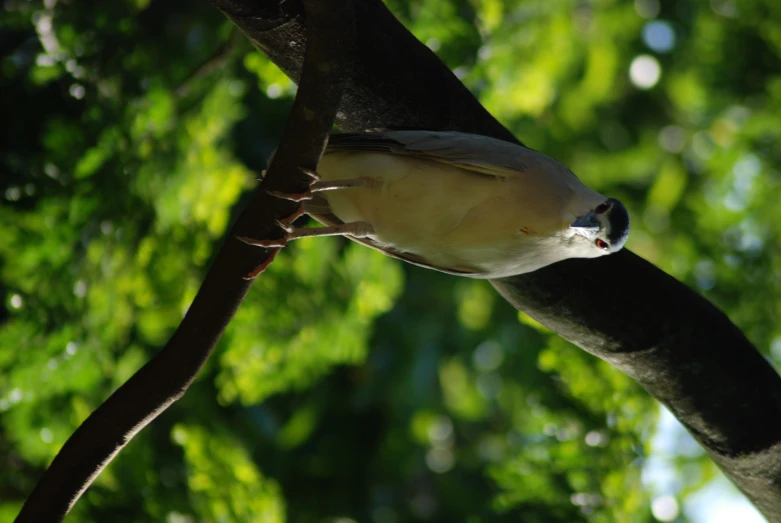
(602,230)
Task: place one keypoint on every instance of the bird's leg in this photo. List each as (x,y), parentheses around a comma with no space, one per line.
(362,182)
(318,186)
(354,229)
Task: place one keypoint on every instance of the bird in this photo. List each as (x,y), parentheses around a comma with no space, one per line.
(459,203)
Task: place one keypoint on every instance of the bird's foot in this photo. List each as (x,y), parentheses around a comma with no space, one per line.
(354,229)
(254,273)
(299,196)
(283,223)
(311,173)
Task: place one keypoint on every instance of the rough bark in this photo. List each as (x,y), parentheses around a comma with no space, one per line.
(168,375)
(677,345)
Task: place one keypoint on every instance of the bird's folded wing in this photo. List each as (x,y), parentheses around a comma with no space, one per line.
(476,153)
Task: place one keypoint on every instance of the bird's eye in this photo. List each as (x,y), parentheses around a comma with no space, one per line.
(602,207)
(602,244)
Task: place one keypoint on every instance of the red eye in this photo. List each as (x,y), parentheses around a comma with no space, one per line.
(602,207)
(602,244)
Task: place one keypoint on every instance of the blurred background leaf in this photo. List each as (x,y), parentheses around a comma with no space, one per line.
(350,387)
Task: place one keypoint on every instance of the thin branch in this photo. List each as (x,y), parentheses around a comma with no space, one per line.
(168,375)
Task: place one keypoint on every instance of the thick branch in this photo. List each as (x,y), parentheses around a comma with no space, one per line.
(673,342)
(168,375)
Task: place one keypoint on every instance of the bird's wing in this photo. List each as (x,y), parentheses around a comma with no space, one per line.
(472,152)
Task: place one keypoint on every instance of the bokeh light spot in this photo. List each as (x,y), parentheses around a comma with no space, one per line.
(46,435)
(647,8)
(440,460)
(16,301)
(665,508)
(672,139)
(659,36)
(645,71)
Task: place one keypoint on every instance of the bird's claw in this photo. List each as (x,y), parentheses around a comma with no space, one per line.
(282,223)
(267,244)
(254,273)
(311,173)
(273,245)
(294,196)
(287,220)
(285,226)
(297,196)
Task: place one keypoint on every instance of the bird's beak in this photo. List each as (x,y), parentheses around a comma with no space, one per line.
(587,225)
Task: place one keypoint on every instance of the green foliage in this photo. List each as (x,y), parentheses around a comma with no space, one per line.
(214,460)
(311,311)
(348,386)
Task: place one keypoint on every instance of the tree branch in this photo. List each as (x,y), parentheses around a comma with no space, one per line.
(676,344)
(166,377)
